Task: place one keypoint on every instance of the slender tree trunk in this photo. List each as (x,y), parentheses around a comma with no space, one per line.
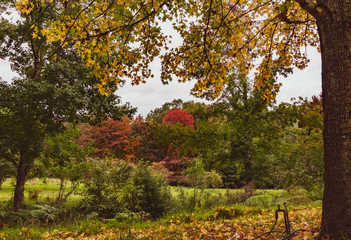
(249,186)
(335,37)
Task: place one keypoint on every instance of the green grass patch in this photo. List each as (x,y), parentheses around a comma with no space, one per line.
(47,189)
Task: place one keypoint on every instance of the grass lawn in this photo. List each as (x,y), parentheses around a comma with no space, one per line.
(47,189)
(266,197)
(50,188)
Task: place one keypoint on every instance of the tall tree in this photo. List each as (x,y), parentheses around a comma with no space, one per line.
(217,36)
(248,118)
(54,86)
(64,159)
(246,112)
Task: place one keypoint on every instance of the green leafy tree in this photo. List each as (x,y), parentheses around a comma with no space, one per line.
(54,87)
(247,117)
(6,169)
(66,160)
(295,160)
(310,113)
(195,174)
(294,155)
(149,149)
(197,177)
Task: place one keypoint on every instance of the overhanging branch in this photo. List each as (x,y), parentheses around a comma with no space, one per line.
(311,7)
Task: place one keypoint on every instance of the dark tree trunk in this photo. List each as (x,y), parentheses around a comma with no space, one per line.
(249,185)
(335,37)
(24,167)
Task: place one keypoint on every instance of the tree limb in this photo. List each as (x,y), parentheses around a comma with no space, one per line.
(283,16)
(311,7)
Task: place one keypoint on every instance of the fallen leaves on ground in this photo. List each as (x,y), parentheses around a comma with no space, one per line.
(249,224)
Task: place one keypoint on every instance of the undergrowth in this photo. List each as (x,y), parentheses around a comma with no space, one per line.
(43,218)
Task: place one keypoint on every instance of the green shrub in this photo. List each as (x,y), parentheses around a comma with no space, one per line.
(7,170)
(115,186)
(299,195)
(316,192)
(213,179)
(129,217)
(149,193)
(103,186)
(234,197)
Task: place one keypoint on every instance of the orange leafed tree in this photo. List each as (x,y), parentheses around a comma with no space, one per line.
(112,138)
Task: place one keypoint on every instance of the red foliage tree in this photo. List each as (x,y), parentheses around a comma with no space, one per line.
(111,138)
(179,116)
(175,162)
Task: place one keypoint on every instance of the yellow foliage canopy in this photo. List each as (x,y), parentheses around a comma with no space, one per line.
(121,38)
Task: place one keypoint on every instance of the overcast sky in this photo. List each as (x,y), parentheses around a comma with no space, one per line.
(147,97)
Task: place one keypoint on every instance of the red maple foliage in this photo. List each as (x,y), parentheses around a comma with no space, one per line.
(179,116)
(111,138)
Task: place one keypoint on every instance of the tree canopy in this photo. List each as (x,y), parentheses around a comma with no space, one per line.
(121,38)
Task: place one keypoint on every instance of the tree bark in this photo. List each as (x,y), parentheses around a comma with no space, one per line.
(249,185)
(24,167)
(335,38)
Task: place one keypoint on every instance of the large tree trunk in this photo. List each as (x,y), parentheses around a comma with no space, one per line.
(335,37)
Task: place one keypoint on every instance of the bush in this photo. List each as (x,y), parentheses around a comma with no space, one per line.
(299,195)
(115,186)
(213,179)
(7,170)
(103,186)
(36,214)
(151,193)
